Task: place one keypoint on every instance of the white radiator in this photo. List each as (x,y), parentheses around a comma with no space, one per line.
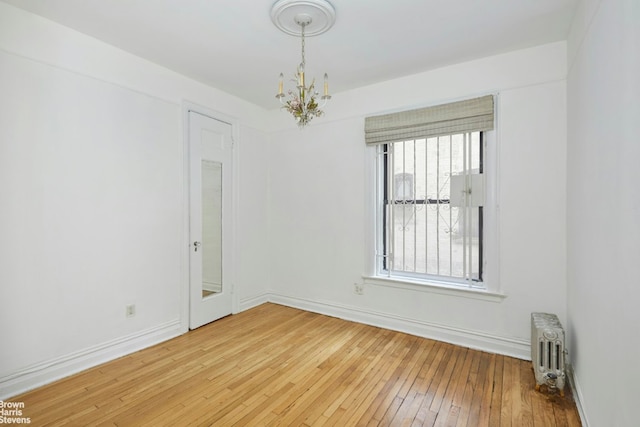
(547,351)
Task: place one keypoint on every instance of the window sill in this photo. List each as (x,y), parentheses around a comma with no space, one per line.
(434,288)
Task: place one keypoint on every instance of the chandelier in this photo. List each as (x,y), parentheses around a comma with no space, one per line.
(304,17)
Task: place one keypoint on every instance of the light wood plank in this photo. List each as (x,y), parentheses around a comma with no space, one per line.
(489,367)
(480,406)
(468,390)
(495,414)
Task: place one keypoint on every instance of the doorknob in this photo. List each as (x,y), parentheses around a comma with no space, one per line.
(196,245)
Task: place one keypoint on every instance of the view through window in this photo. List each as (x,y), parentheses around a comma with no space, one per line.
(432,196)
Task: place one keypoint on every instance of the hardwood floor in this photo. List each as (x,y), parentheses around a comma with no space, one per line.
(275,365)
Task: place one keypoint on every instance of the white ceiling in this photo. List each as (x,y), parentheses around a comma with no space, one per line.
(233,45)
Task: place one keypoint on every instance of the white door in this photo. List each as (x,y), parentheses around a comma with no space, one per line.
(210,219)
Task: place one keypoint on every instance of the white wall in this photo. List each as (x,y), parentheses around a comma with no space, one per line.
(91,135)
(92,200)
(604,209)
(318,217)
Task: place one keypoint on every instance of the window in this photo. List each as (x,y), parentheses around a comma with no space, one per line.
(429,225)
(430,198)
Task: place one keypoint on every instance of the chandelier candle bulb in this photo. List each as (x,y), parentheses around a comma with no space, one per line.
(280,84)
(326,84)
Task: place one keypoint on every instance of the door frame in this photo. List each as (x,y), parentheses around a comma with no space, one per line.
(188,107)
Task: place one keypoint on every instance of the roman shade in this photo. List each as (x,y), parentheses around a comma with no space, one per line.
(470,115)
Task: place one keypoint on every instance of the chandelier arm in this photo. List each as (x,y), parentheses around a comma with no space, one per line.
(323,101)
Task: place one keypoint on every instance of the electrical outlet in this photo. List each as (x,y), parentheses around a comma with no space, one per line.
(130,310)
(358,288)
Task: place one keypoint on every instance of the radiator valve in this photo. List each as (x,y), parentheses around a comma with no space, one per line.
(551,380)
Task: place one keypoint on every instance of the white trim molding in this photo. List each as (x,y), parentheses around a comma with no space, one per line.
(439,288)
(577,394)
(477,340)
(248,303)
(51,370)
(54,369)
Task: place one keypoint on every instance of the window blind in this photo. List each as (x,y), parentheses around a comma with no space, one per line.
(469,115)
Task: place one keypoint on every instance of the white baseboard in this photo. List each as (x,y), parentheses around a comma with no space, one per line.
(54,369)
(577,394)
(255,301)
(513,347)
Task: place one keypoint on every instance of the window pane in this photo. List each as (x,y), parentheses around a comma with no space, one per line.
(424,234)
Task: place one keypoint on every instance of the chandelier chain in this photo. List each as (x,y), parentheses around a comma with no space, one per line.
(303,25)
